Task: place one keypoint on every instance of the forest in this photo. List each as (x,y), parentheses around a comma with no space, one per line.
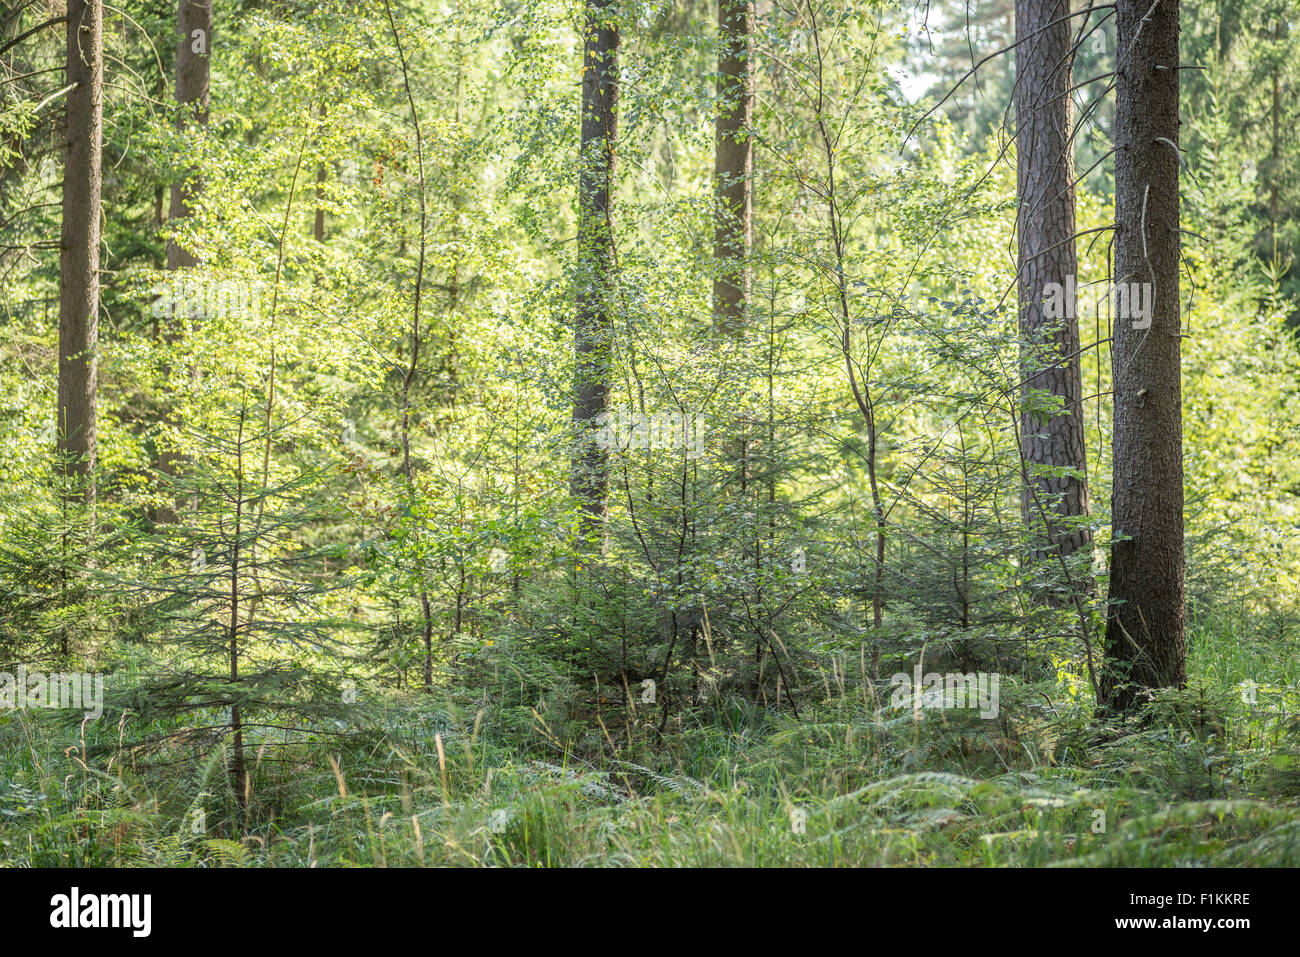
(649,433)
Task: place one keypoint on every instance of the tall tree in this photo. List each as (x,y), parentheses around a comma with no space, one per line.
(593,323)
(1144,633)
(733,165)
(194,36)
(318,225)
(1045,231)
(408,470)
(79,249)
(194,23)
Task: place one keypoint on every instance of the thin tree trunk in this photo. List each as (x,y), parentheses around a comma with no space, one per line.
(318,227)
(862,396)
(79,253)
(733,166)
(1144,634)
(1045,228)
(238,770)
(408,473)
(592,323)
(1276,171)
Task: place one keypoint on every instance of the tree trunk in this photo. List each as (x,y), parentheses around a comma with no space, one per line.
(733,166)
(1276,170)
(238,769)
(194,22)
(318,227)
(408,472)
(733,213)
(593,323)
(1144,634)
(194,26)
(79,253)
(1045,229)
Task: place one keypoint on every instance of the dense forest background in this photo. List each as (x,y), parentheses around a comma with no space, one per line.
(488,432)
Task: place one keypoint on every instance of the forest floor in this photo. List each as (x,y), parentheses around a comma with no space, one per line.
(1212,778)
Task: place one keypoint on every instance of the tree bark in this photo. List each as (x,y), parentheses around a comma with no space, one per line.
(593,322)
(1049,350)
(192,83)
(318,226)
(79,251)
(1144,635)
(733,166)
(193,46)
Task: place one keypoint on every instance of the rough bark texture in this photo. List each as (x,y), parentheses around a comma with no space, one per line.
(592,322)
(733,165)
(1045,229)
(192,93)
(79,253)
(1144,634)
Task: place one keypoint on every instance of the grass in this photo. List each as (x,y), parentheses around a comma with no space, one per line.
(432,781)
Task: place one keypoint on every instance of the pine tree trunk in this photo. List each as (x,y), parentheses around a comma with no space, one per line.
(79,254)
(1144,634)
(593,324)
(193,46)
(1045,229)
(192,82)
(733,166)
(733,214)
